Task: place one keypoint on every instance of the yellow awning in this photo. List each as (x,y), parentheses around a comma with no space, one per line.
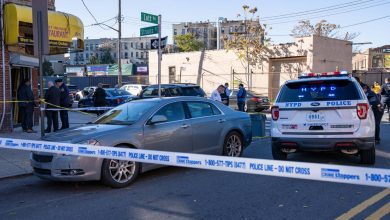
(62,27)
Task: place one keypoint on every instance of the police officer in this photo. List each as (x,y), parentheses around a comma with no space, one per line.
(52,98)
(26,105)
(376,108)
(241,98)
(64,102)
(226,95)
(216,94)
(385,92)
(99,98)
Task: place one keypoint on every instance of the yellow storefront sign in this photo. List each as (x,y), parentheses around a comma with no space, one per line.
(387,61)
(63,28)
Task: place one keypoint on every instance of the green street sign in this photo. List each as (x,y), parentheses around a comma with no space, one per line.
(149,18)
(149,30)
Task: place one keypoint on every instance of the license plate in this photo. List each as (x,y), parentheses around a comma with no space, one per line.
(315,117)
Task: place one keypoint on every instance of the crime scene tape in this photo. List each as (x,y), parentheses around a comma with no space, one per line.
(299,170)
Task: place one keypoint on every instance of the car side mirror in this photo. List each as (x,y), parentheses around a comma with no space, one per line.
(158,119)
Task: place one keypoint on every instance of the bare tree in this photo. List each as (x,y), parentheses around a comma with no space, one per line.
(322,28)
(249,44)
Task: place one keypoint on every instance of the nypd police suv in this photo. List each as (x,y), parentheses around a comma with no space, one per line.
(323,112)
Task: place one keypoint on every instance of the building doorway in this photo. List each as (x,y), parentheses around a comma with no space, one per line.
(18,75)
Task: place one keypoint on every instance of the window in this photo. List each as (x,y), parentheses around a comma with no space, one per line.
(91,46)
(125,114)
(173,112)
(87,47)
(136,45)
(126,55)
(142,55)
(174,32)
(126,46)
(200,109)
(216,111)
(142,45)
(114,45)
(97,55)
(146,45)
(183,31)
(222,30)
(319,91)
(152,92)
(87,56)
(114,55)
(131,54)
(136,54)
(131,45)
(147,54)
(174,92)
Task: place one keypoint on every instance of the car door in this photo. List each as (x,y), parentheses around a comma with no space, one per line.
(207,125)
(173,135)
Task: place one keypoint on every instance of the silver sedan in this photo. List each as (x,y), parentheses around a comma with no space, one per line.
(180,124)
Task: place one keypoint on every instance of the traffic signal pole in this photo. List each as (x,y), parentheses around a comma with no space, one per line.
(119,45)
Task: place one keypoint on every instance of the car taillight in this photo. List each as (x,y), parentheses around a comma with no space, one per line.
(275,113)
(362,110)
(255,99)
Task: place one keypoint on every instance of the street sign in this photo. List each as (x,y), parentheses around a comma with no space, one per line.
(149,18)
(149,30)
(386,50)
(154,43)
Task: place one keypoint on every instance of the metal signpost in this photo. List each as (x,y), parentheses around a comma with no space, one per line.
(154,30)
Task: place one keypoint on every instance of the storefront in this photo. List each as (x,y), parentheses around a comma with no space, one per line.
(19,61)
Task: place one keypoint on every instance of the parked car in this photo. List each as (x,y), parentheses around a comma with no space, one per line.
(323,112)
(179,124)
(114,97)
(85,92)
(134,89)
(171,90)
(254,102)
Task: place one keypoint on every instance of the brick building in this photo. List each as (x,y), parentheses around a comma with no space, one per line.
(17,61)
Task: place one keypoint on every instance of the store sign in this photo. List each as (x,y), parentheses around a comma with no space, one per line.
(98,70)
(142,69)
(79,71)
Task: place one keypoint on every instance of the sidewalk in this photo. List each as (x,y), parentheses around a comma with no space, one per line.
(16,162)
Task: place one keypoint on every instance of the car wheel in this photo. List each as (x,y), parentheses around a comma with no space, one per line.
(367,156)
(278,154)
(233,145)
(77,97)
(119,173)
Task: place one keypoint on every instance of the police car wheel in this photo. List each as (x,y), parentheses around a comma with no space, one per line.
(232,146)
(119,173)
(278,154)
(367,156)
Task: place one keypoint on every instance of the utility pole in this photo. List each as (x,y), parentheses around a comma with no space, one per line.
(119,45)
(159,56)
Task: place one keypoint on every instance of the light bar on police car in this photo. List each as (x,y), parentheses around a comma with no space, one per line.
(325,74)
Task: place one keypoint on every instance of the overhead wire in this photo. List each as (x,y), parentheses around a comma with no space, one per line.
(94,18)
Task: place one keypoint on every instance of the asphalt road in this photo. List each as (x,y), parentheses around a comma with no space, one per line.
(181,193)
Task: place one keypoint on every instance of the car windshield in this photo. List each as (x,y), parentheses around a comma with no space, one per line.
(118,92)
(126,114)
(320,90)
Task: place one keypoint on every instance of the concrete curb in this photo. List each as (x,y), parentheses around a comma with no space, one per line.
(16,176)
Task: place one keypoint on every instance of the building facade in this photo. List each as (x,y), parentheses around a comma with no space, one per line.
(209,33)
(17,52)
(211,68)
(135,50)
(372,59)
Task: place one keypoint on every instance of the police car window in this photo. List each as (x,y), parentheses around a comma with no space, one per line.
(307,91)
(200,109)
(173,111)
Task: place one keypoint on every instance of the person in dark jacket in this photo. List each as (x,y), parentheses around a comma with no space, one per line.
(64,102)
(26,105)
(52,99)
(376,108)
(241,98)
(385,93)
(99,98)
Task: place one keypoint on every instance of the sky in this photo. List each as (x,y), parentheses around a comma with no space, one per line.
(273,13)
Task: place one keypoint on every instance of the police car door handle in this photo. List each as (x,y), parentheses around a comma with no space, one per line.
(185,126)
(221,120)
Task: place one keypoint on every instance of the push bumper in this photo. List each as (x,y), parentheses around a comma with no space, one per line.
(324,144)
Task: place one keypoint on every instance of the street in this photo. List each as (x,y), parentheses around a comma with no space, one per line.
(180,193)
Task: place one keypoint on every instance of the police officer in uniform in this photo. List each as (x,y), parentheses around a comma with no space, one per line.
(52,98)
(64,102)
(26,105)
(376,108)
(385,92)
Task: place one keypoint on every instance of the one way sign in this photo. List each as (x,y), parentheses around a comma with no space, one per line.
(154,43)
